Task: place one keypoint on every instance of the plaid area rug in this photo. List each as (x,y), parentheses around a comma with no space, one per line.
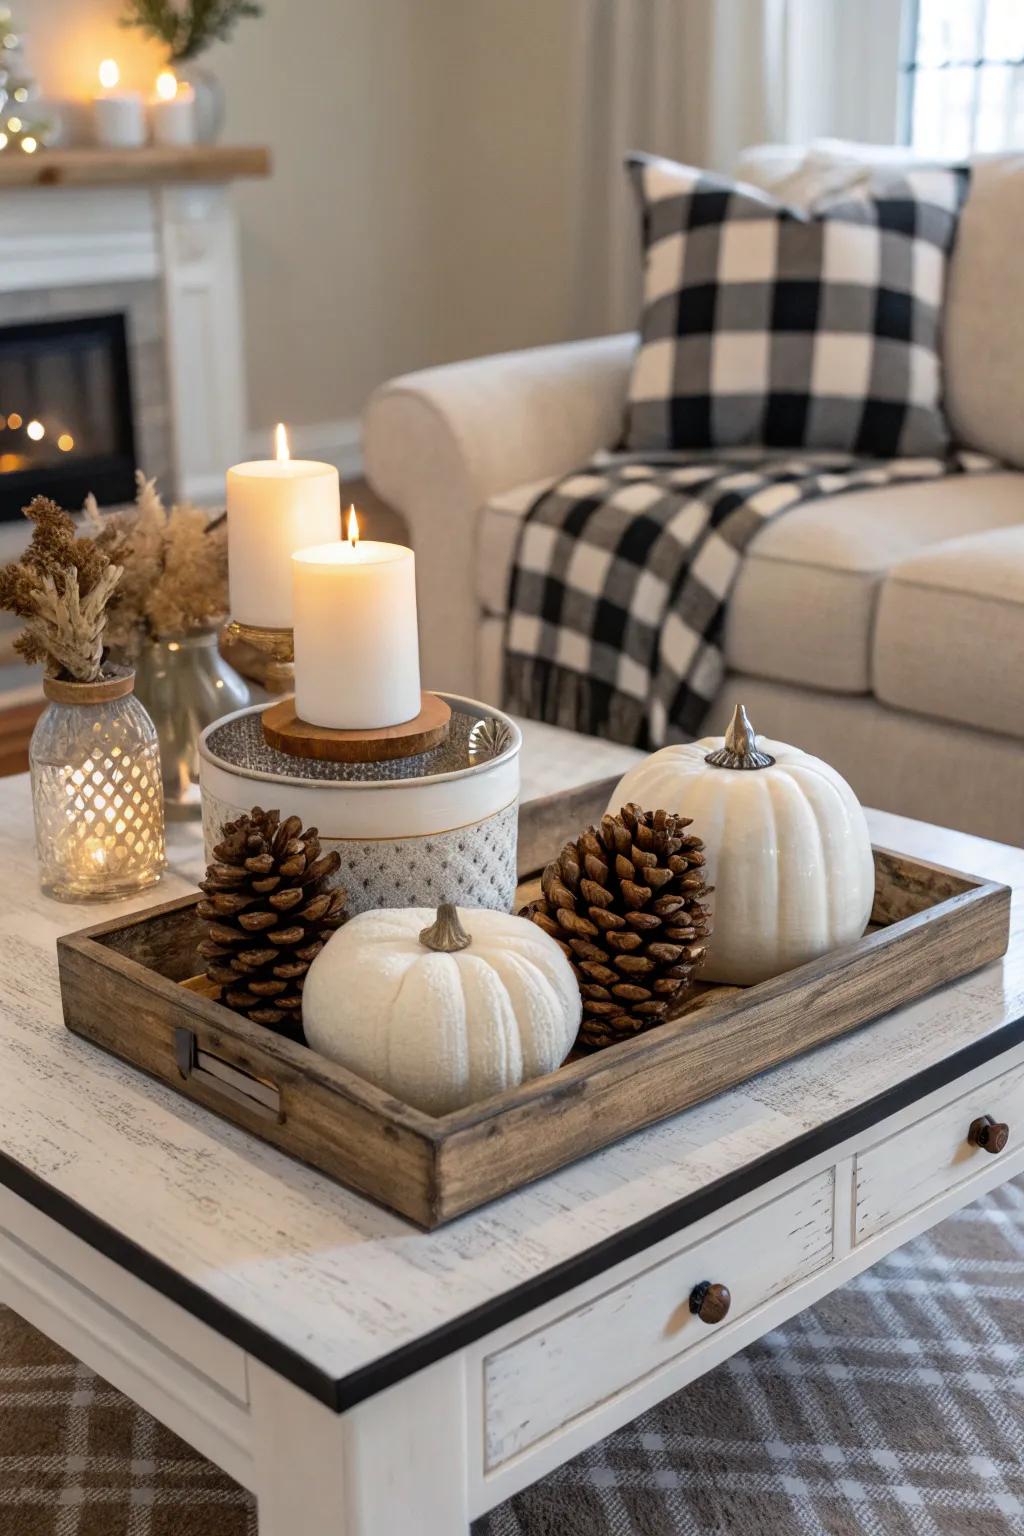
(623,572)
(895,1407)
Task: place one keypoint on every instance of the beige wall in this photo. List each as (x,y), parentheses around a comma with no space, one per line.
(419,209)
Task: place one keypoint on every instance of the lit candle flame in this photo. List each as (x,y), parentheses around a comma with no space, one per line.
(282,451)
(352,532)
(167,85)
(110,74)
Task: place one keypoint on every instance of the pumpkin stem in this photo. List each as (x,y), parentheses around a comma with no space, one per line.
(446,934)
(740,749)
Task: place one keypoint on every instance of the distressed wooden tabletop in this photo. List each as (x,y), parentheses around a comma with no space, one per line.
(326,1273)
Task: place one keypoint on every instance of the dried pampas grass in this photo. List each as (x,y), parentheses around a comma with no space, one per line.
(62,588)
(175,569)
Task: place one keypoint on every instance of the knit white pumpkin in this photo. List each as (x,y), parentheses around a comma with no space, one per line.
(787,847)
(439,1017)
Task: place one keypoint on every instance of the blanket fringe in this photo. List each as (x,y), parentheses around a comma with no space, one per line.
(542,690)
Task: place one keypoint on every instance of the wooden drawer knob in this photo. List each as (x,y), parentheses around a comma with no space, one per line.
(991,1135)
(710,1302)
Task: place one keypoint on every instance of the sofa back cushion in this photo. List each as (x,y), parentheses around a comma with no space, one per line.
(768,325)
(983,334)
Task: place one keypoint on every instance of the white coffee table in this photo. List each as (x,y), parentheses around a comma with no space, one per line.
(366,1379)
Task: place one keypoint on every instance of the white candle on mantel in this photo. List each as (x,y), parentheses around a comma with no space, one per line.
(172,113)
(357,649)
(276,506)
(119,118)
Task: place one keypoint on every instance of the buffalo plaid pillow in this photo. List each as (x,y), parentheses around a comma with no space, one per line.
(765,325)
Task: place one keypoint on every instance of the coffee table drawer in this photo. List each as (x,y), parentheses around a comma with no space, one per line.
(542,1382)
(904,1172)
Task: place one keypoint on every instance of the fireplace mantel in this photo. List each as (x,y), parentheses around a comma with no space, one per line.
(97,220)
(132,167)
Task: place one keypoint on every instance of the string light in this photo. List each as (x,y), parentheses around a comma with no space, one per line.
(36,431)
(110,74)
(65,442)
(24,129)
(14,421)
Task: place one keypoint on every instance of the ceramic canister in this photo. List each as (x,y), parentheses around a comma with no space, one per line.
(412,832)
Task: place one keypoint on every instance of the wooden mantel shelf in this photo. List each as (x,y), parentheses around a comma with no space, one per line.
(127,167)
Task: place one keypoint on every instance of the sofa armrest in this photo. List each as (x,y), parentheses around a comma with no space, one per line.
(438,444)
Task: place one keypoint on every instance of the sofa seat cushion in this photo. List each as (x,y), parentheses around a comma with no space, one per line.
(803,607)
(949,638)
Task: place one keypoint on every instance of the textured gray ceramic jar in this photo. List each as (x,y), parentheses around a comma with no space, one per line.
(414,832)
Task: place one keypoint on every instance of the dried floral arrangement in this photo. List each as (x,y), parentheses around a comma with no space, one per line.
(175,566)
(61,587)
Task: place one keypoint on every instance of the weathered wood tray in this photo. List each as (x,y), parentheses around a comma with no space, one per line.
(123,988)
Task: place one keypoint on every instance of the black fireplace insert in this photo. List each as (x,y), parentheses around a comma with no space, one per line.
(65,413)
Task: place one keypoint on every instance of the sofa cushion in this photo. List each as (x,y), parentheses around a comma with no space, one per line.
(767,325)
(949,638)
(803,607)
(983,334)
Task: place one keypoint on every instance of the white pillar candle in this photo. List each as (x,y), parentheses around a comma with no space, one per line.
(275,506)
(172,113)
(119,117)
(357,654)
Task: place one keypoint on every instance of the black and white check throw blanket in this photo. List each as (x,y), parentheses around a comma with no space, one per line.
(623,572)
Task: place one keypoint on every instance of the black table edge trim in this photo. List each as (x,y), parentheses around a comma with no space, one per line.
(347,1391)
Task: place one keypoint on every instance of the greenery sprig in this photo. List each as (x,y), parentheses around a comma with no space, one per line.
(186,30)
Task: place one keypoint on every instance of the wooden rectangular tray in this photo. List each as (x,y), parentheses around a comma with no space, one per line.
(123,987)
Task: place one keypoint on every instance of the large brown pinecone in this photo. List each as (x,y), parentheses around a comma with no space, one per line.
(625,902)
(268,915)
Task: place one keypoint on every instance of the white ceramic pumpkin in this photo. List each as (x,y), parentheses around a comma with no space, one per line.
(440,1017)
(787,846)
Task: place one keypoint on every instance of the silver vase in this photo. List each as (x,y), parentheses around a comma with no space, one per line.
(186,685)
(209,99)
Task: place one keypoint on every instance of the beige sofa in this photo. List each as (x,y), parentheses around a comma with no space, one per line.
(883,630)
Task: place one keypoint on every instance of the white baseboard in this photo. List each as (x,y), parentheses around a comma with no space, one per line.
(333,442)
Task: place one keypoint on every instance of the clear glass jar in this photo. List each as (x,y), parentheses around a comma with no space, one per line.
(185,684)
(96,794)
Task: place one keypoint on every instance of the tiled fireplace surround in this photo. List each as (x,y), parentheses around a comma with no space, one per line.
(166,257)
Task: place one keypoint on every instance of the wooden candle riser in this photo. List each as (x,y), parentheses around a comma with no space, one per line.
(286,732)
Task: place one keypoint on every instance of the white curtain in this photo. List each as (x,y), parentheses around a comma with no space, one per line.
(699,80)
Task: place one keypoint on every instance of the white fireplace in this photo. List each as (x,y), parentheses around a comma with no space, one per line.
(164,256)
(148,236)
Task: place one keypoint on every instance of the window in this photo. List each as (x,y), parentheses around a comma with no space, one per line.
(962,85)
